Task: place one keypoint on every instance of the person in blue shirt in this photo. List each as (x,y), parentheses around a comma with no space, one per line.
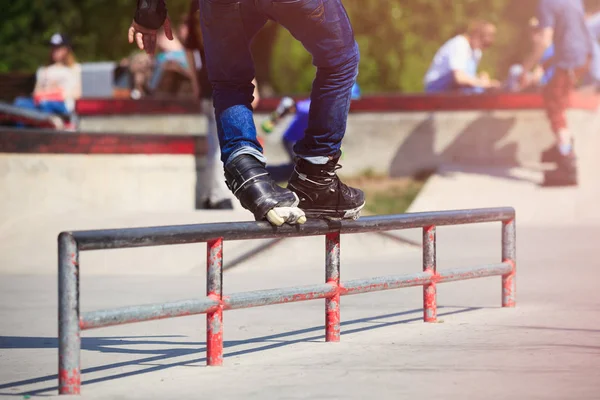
(593,75)
(562,23)
(454,66)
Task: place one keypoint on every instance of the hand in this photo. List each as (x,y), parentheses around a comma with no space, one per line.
(146,38)
(524,80)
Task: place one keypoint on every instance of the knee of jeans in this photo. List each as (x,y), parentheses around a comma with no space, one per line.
(352,59)
(349,66)
(345,59)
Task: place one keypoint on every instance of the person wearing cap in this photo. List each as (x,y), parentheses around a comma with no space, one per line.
(58,83)
(562,23)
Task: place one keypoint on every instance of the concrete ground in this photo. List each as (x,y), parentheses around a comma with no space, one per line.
(546,348)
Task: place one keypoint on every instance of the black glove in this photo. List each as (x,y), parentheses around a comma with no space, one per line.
(150,14)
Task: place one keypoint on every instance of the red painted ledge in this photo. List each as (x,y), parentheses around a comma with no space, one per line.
(381,103)
(35,141)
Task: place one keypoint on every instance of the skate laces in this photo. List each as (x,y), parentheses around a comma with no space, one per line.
(341,187)
(333,174)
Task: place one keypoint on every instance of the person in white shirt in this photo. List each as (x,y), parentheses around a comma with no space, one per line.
(58,84)
(454,66)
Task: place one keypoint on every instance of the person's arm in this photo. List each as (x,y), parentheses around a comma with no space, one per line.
(38,81)
(463,79)
(459,57)
(542,41)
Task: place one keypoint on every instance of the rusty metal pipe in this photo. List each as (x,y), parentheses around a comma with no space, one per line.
(149,312)
(181,234)
(69,338)
(429,266)
(509,255)
(214,291)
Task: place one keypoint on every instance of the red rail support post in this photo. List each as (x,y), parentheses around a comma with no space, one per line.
(71,243)
(214,290)
(429,266)
(509,256)
(332,277)
(69,334)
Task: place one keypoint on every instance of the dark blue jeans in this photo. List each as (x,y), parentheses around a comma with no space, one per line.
(323,28)
(53,107)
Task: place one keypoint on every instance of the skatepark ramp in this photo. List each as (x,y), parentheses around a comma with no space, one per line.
(70,244)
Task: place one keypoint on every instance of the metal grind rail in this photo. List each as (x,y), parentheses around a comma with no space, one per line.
(71,322)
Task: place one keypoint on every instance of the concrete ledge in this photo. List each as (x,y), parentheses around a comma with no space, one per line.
(372,103)
(38,141)
(394,143)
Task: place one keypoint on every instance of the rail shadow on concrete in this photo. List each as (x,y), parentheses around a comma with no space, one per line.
(107,345)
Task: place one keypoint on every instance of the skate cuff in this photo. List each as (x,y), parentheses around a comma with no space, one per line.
(235,190)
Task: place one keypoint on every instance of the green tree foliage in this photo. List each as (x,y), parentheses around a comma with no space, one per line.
(97,28)
(397,38)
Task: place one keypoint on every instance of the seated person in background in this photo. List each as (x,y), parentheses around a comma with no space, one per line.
(171,55)
(133,74)
(454,66)
(58,84)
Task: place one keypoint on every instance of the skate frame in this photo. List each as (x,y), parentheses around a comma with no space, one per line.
(71,322)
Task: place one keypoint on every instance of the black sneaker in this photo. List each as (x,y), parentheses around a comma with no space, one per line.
(565,173)
(250,182)
(322,194)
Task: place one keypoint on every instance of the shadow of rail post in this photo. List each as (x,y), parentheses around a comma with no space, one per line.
(71,322)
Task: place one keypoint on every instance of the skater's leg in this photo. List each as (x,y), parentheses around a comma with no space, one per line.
(215,191)
(324,29)
(228,27)
(556,100)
